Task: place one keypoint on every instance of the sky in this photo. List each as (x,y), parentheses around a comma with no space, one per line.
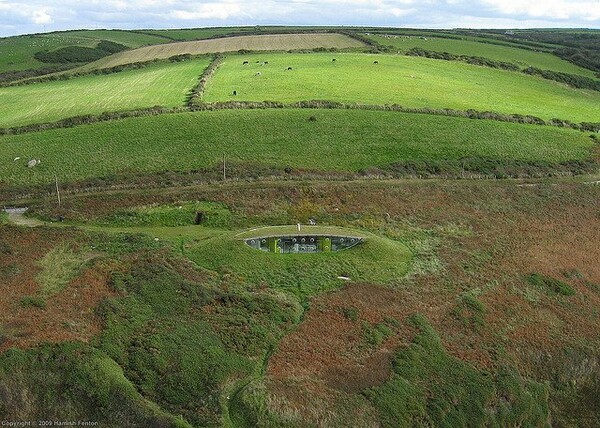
(34,16)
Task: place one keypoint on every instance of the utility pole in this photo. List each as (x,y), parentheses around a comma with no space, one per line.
(57,191)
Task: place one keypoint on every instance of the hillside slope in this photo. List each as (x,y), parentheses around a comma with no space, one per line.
(227,44)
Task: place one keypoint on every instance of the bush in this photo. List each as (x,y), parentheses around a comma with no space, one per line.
(475,60)
(76,54)
(70,54)
(573,80)
(551,284)
(33,302)
(180,58)
(111,47)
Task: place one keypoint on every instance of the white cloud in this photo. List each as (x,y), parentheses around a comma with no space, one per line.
(41,16)
(553,9)
(208,11)
(397,12)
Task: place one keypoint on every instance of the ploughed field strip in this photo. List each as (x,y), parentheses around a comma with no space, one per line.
(265,42)
(338,141)
(161,84)
(396,79)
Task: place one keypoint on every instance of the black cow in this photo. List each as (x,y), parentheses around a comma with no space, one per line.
(234,92)
(289,68)
(333,60)
(245,62)
(375,62)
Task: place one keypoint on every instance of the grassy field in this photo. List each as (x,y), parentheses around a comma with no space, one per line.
(160,84)
(228,44)
(408,81)
(16,53)
(338,140)
(182,34)
(522,57)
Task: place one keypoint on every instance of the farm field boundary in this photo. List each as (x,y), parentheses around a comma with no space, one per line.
(167,85)
(290,143)
(267,42)
(397,79)
(573,80)
(87,119)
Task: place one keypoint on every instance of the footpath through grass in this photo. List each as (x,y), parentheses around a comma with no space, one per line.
(162,84)
(397,79)
(336,140)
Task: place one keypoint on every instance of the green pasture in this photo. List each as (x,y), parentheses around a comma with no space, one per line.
(131,39)
(397,79)
(184,34)
(164,84)
(335,140)
(16,53)
(522,57)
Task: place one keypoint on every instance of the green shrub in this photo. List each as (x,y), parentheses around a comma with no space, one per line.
(375,335)
(429,387)
(70,54)
(551,284)
(76,54)
(33,302)
(470,310)
(350,313)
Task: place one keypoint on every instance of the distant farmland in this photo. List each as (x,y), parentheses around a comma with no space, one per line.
(408,81)
(227,44)
(17,53)
(161,84)
(522,57)
(335,140)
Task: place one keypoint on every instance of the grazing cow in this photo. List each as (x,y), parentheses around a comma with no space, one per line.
(333,60)
(375,62)
(245,62)
(266,62)
(257,73)
(289,68)
(257,62)
(234,92)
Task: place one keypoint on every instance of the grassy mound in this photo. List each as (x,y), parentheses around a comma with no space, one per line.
(338,140)
(376,260)
(408,81)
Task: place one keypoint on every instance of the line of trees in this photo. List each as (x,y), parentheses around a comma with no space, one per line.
(476,60)
(196,92)
(194,104)
(80,54)
(574,80)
